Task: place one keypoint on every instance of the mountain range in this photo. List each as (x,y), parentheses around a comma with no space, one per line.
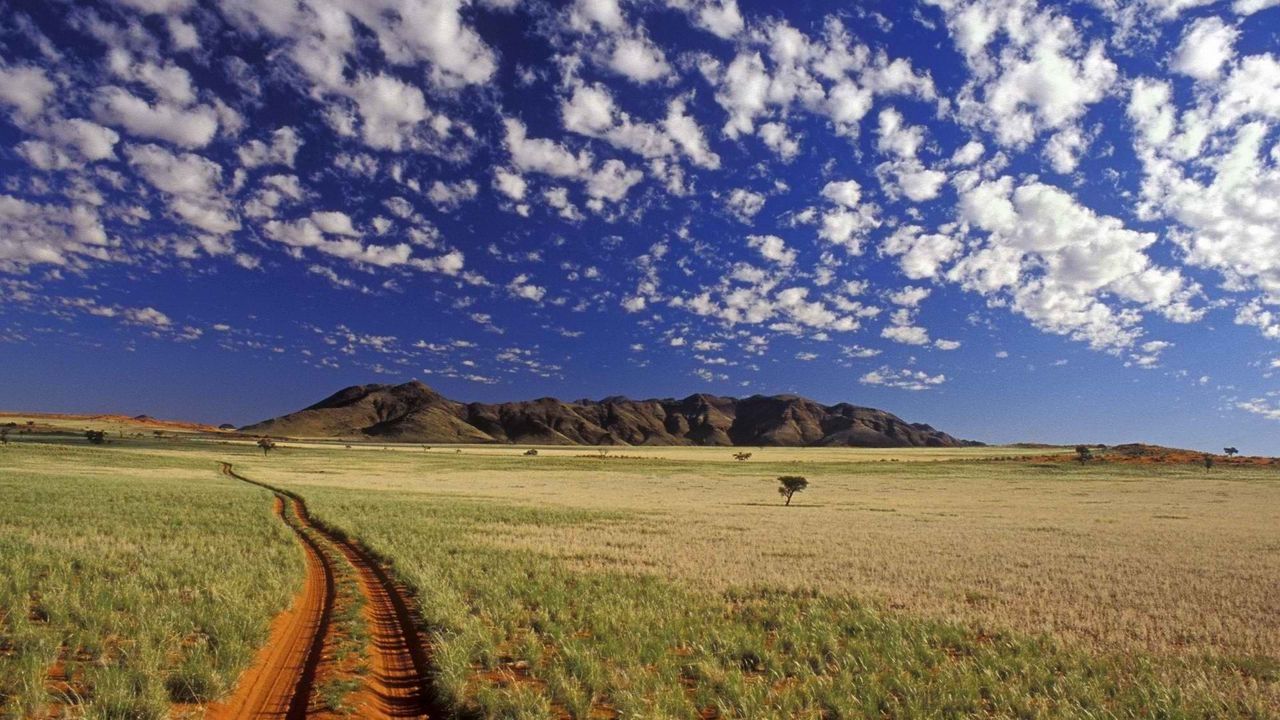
(413,412)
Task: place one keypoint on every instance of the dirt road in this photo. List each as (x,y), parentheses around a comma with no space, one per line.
(283,679)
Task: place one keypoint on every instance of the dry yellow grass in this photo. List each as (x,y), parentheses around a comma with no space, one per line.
(1159,561)
(1168,559)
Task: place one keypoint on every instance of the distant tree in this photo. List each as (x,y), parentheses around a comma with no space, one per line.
(1208,462)
(742,456)
(531,452)
(267,445)
(1230,451)
(1083,453)
(95,437)
(226,426)
(789,485)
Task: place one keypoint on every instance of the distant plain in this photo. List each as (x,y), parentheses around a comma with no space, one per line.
(671,582)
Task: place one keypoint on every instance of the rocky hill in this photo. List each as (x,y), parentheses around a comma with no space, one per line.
(413,412)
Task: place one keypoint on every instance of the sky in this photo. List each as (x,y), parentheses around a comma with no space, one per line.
(1014,220)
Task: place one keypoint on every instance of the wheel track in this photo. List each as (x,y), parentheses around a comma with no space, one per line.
(398,685)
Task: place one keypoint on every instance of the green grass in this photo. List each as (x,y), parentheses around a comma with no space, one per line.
(154,579)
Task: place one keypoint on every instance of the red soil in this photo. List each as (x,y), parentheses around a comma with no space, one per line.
(281,681)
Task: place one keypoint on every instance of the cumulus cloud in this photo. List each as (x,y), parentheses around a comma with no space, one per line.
(639,60)
(773,249)
(904,379)
(188,128)
(1207,45)
(449,196)
(35,233)
(1032,70)
(282,149)
(744,204)
(191,183)
(25,89)
(1057,262)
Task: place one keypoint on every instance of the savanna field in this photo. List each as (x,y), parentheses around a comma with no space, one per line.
(138,581)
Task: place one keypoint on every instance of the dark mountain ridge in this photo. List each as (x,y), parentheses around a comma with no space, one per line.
(413,412)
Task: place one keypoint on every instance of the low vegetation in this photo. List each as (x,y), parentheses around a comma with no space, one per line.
(130,582)
(1084,589)
(665,587)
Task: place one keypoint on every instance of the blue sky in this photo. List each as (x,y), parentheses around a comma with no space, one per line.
(1013,220)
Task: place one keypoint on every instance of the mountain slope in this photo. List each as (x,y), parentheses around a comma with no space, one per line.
(413,412)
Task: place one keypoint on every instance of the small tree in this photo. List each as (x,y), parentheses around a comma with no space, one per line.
(1083,453)
(742,456)
(1230,451)
(95,437)
(789,485)
(1208,462)
(267,445)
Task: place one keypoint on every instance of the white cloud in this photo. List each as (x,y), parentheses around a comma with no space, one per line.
(510,184)
(639,60)
(72,143)
(848,223)
(449,196)
(773,248)
(613,181)
(188,128)
(969,154)
(520,287)
(920,255)
(1064,149)
(191,184)
(159,7)
(1206,46)
(406,31)
(1044,77)
(26,89)
(544,156)
(686,133)
(282,150)
(905,379)
(721,18)
(1058,262)
(34,233)
(744,204)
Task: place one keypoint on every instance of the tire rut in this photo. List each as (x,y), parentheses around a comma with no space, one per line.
(398,684)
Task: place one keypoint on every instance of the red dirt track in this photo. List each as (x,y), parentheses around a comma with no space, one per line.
(282,679)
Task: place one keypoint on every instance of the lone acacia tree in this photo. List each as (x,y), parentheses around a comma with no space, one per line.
(789,485)
(1083,453)
(95,437)
(267,445)
(1230,451)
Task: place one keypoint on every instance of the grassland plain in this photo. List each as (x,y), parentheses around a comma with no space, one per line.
(663,588)
(652,586)
(132,584)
